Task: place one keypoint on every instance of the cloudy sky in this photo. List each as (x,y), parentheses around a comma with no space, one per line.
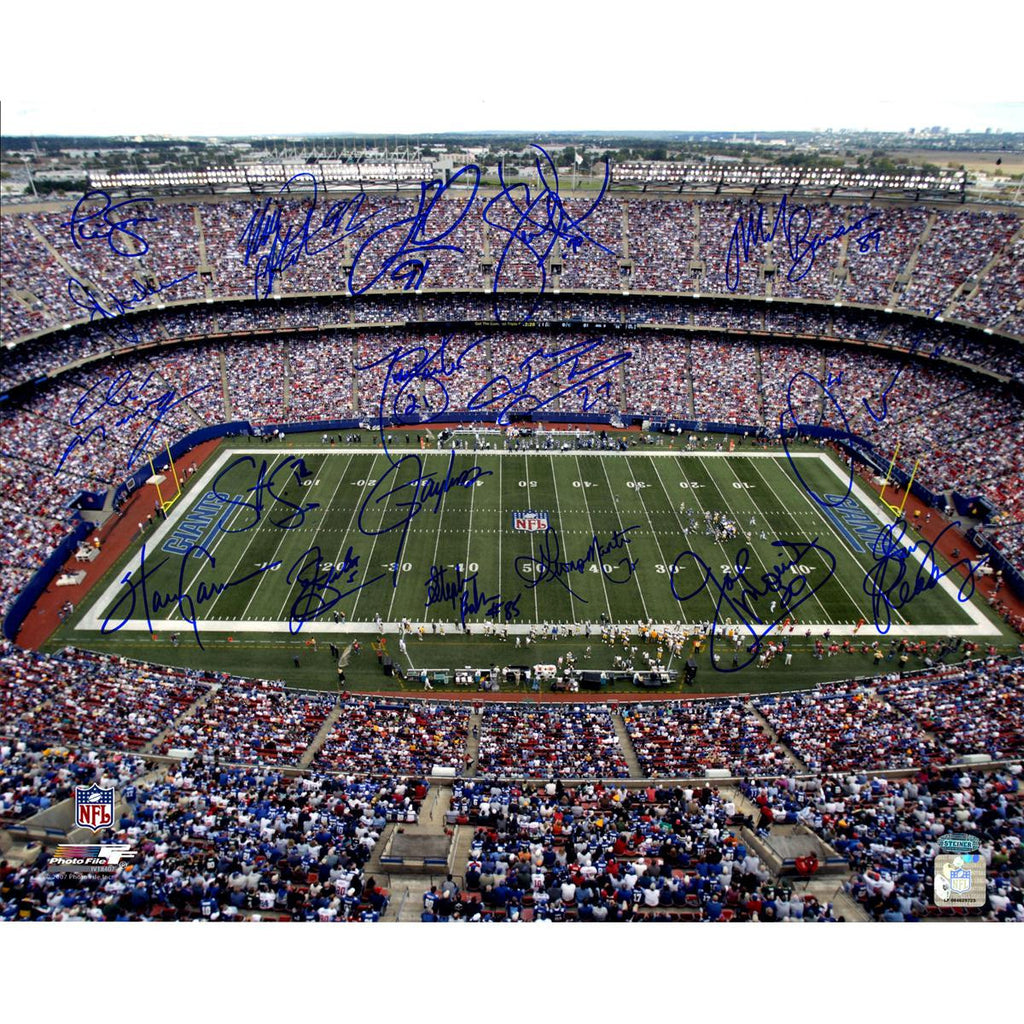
(206,68)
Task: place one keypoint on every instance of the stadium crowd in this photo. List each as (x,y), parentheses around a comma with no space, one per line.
(220,841)
(126,412)
(395,737)
(888,831)
(257,722)
(599,852)
(843,726)
(681,739)
(673,245)
(78,697)
(574,740)
(226,844)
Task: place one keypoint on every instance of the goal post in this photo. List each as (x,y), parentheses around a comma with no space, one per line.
(166,502)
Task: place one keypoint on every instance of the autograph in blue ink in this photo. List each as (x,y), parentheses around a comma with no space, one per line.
(888,581)
(516,396)
(548,565)
(95,218)
(465,596)
(154,602)
(277,246)
(120,391)
(750,230)
(399,250)
(795,423)
(291,469)
(408,367)
(884,396)
(82,296)
(739,593)
(405,479)
(834,380)
(535,225)
(316,579)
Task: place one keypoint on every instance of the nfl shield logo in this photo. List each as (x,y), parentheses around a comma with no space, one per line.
(94,807)
(959,880)
(533,521)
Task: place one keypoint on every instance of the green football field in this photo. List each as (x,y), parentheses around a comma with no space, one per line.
(292,543)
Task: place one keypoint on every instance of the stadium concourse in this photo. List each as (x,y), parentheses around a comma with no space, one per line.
(242,800)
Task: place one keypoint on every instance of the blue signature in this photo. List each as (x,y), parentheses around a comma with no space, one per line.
(834,380)
(407,241)
(888,590)
(158,600)
(884,396)
(278,246)
(790,412)
(120,391)
(750,230)
(90,222)
(82,296)
(407,366)
(887,582)
(509,395)
(535,225)
(465,601)
(316,579)
(739,593)
(293,468)
(419,490)
(548,565)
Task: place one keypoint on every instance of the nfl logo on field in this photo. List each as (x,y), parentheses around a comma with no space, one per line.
(960,880)
(94,807)
(534,521)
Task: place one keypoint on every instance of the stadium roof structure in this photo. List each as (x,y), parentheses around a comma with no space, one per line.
(263,177)
(830,181)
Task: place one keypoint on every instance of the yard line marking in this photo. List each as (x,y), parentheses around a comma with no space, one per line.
(980,625)
(324,514)
(219,541)
(832,530)
(469,530)
(356,506)
(558,509)
(399,556)
(533,557)
(373,546)
(593,533)
(668,566)
(657,538)
(500,531)
(255,530)
(915,548)
(636,579)
(433,561)
(666,453)
(764,564)
(92,619)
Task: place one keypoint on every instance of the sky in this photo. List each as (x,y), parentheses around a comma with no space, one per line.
(208,68)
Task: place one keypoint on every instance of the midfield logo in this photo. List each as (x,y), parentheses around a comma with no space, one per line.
(532,521)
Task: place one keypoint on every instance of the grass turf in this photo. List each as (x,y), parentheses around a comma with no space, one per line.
(396,542)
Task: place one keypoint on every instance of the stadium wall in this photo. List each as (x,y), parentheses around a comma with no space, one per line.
(22,604)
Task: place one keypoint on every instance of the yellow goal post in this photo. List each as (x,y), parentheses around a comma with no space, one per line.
(166,503)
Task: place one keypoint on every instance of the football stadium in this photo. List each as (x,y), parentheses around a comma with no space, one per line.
(402,541)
